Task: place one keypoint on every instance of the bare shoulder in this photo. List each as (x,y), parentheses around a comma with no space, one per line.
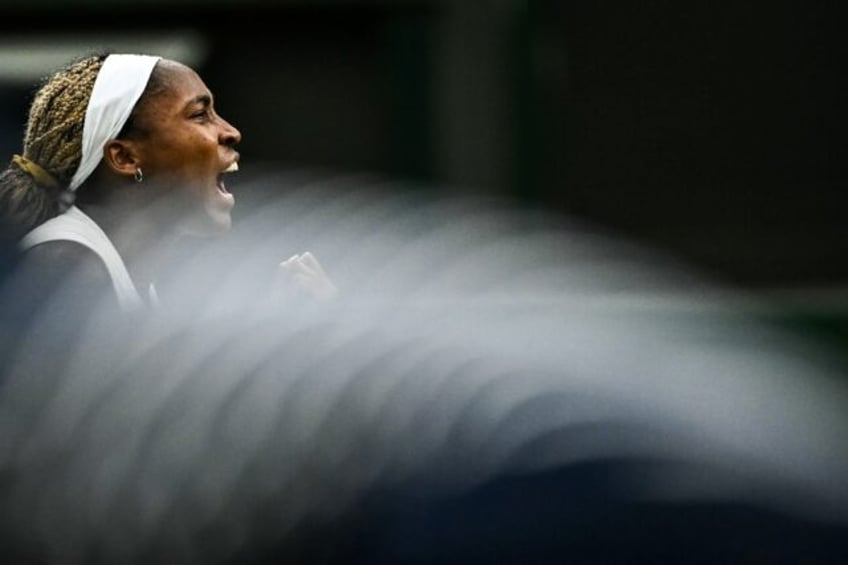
(50,290)
(55,260)
(57,268)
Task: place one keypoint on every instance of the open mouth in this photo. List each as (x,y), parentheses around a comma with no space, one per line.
(222,186)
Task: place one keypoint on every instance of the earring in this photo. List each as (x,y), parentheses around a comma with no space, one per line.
(138,176)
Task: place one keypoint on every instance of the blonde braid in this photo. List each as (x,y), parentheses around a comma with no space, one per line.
(53,143)
(54,133)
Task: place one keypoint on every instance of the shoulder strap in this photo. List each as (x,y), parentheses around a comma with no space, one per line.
(74,225)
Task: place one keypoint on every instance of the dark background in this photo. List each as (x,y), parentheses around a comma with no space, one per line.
(711,130)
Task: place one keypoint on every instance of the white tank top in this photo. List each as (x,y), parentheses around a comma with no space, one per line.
(76,226)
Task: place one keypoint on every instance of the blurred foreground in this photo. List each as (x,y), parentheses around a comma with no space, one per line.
(492,384)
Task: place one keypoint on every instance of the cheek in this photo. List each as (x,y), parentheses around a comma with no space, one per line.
(191,158)
(202,151)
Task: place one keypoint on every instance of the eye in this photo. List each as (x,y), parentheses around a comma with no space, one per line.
(201,115)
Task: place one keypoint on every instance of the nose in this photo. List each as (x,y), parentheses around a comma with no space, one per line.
(228,134)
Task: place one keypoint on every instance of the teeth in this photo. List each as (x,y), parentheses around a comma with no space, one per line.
(232,168)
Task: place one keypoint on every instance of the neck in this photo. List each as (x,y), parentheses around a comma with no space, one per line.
(139,234)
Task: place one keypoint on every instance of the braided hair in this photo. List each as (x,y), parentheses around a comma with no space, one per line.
(53,141)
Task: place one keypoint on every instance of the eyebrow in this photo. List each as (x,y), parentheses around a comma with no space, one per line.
(203,99)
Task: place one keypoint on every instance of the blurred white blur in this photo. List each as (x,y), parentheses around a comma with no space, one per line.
(471,339)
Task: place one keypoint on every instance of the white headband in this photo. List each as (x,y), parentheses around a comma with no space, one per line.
(119,84)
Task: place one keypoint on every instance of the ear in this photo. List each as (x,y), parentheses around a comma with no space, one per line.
(121,156)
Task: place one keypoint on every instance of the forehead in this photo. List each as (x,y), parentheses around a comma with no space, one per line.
(177,84)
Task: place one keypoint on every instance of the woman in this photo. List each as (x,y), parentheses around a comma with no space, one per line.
(122,154)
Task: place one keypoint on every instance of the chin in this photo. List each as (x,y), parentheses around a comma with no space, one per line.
(208,224)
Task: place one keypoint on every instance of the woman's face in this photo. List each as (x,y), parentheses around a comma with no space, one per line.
(186,148)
